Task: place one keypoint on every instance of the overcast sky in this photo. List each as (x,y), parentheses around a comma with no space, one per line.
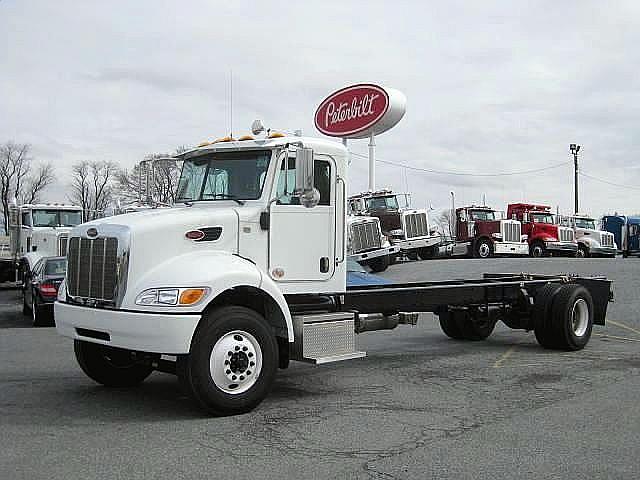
(491,86)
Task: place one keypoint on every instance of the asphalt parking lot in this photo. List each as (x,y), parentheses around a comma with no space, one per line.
(418,406)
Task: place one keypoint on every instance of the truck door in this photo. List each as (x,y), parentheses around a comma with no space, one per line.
(302,241)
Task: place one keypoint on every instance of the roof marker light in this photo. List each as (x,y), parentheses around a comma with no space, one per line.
(277,135)
(224,139)
(204,144)
(245,137)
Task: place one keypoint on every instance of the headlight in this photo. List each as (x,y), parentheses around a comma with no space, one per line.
(62,291)
(524,238)
(172,296)
(497,235)
(397,232)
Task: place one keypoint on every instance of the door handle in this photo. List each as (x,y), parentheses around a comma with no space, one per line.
(324,265)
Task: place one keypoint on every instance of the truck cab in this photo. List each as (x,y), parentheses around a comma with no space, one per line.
(407,228)
(367,245)
(592,242)
(480,232)
(626,232)
(39,230)
(545,237)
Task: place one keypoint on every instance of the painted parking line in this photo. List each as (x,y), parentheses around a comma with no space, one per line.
(506,355)
(615,337)
(622,325)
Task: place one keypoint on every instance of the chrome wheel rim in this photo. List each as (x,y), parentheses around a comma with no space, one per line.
(581,253)
(537,251)
(483,250)
(580,317)
(235,362)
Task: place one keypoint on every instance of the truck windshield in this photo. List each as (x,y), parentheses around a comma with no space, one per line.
(224,176)
(542,218)
(482,215)
(587,223)
(57,266)
(56,218)
(382,203)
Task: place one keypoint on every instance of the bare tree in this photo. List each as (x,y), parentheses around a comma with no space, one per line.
(160,170)
(92,186)
(445,222)
(16,180)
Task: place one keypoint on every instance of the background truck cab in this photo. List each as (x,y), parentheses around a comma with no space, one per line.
(626,231)
(592,242)
(407,228)
(367,245)
(544,236)
(480,233)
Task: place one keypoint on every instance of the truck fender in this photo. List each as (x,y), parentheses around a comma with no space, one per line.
(222,272)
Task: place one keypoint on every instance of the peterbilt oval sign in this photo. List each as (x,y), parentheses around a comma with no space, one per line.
(359,110)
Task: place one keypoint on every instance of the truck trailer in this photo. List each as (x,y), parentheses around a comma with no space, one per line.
(247,272)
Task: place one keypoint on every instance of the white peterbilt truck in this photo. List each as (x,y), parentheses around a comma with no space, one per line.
(367,245)
(592,242)
(407,228)
(36,231)
(248,272)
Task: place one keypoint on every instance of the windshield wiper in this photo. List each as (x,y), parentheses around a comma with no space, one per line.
(230,197)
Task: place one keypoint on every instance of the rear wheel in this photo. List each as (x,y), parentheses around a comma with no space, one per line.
(462,325)
(233,361)
(110,366)
(541,314)
(379,264)
(449,325)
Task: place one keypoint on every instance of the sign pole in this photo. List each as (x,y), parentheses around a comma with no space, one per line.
(372,161)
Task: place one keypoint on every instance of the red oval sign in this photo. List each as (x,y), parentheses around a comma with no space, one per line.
(351,110)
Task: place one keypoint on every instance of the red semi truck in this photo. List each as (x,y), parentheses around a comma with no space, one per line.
(481,233)
(544,236)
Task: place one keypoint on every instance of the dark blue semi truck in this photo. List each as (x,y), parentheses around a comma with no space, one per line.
(626,231)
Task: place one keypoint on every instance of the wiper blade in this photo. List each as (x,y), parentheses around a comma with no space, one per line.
(230,197)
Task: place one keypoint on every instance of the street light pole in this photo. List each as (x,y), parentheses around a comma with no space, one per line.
(574,149)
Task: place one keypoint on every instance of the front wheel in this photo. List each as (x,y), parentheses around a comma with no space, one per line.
(583,252)
(233,361)
(538,250)
(379,264)
(110,366)
(484,249)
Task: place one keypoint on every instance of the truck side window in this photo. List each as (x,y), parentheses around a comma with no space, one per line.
(284,193)
(26,219)
(322,180)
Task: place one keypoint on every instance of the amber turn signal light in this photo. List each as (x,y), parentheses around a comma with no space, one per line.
(190,296)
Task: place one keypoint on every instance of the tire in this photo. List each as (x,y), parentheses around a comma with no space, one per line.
(484,248)
(36,312)
(572,317)
(412,255)
(583,252)
(110,366)
(541,314)
(449,325)
(26,310)
(538,250)
(426,253)
(475,328)
(237,335)
(379,264)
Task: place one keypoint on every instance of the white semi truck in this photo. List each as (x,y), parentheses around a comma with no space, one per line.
(592,242)
(367,245)
(36,231)
(248,272)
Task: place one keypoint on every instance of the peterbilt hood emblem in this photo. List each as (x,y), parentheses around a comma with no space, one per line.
(92,232)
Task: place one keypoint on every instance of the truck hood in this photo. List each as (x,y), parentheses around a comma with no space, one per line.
(487,227)
(545,231)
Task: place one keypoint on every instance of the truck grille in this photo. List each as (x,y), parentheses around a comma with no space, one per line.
(566,234)
(511,231)
(92,267)
(416,225)
(365,236)
(606,239)
(62,245)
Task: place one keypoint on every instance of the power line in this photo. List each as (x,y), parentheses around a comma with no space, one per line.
(466,174)
(607,181)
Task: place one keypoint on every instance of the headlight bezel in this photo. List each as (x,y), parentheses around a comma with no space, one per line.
(170,296)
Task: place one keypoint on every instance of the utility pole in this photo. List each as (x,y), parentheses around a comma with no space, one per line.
(574,149)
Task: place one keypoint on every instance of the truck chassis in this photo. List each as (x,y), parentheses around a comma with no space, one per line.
(561,310)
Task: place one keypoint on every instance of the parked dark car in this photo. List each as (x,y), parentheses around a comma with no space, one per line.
(41,289)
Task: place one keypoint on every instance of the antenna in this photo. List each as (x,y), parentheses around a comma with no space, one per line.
(231,103)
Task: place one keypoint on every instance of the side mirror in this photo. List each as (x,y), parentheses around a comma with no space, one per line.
(309,195)
(525,217)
